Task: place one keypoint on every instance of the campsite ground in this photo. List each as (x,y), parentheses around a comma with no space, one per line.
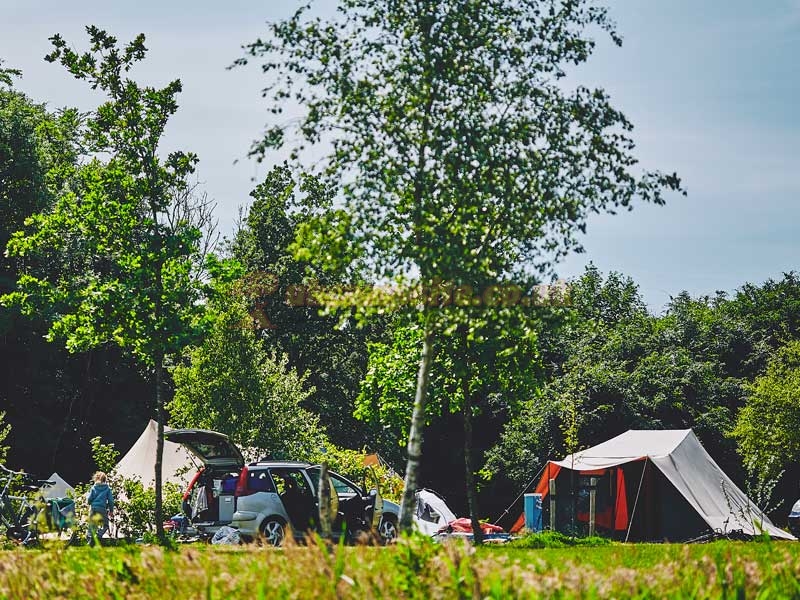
(411,569)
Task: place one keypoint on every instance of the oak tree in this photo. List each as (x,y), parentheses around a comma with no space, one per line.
(136,286)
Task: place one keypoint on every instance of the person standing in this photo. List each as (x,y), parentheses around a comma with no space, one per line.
(101,506)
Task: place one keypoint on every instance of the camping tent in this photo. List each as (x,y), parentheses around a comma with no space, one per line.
(61,489)
(432,513)
(650,485)
(177,467)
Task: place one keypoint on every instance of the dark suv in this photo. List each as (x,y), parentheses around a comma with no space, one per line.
(264,498)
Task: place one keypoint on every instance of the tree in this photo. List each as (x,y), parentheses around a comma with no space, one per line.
(6,74)
(508,375)
(38,151)
(42,387)
(4,431)
(614,366)
(461,152)
(332,358)
(136,287)
(231,384)
(768,426)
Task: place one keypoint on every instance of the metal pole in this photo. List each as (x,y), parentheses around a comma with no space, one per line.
(552,505)
(635,502)
(592,504)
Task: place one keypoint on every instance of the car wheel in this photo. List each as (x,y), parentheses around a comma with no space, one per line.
(273,531)
(387,529)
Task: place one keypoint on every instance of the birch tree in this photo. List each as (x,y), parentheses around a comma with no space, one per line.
(462,152)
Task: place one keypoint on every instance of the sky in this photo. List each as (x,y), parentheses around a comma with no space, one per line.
(711,86)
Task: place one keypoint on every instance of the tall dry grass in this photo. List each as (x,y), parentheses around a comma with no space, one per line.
(414,568)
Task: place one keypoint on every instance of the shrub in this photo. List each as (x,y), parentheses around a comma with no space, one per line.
(350,463)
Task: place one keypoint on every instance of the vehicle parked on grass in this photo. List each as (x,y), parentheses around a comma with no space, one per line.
(266,498)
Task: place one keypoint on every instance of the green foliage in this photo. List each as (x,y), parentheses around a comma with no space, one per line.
(442,179)
(5,429)
(387,391)
(135,513)
(231,384)
(509,357)
(136,244)
(554,539)
(616,367)
(279,288)
(38,153)
(105,456)
(6,74)
(462,154)
(768,426)
(135,286)
(351,464)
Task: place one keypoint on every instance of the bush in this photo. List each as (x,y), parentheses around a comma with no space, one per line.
(5,429)
(134,504)
(350,464)
(554,539)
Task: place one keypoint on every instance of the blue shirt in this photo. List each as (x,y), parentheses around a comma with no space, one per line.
(100,497)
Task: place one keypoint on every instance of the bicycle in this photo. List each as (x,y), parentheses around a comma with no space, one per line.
(19,515)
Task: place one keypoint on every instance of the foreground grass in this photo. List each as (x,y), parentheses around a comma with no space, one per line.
(413,569)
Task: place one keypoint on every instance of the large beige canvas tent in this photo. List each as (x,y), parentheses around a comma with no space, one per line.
(178,465)
(652,485)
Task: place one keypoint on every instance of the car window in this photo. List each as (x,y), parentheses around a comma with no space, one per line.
(313,475)
(342,487)
(290,479)
(260,481)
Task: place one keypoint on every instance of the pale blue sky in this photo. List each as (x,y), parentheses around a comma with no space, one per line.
(712,87)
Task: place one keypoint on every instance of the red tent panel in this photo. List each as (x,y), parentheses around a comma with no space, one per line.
(618,516)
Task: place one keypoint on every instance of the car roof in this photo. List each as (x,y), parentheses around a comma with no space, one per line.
(279,463)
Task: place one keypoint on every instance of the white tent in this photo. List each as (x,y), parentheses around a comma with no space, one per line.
(178,465)
(61,489)
(678,456)
(432,512)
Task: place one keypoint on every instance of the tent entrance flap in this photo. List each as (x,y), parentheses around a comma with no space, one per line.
(611,497)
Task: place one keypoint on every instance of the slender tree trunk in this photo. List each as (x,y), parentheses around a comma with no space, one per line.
(407,505)
(159,366)
(159,446)
(324,501)
(469,471)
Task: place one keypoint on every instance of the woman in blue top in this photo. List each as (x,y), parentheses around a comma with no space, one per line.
(101,507)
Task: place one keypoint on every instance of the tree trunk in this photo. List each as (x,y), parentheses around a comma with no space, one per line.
(324,501)
(159,446)
(407,505)
(472,492)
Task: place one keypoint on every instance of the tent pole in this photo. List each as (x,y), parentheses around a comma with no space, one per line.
(592,505)
(525,489)
(635,502)
(613,493)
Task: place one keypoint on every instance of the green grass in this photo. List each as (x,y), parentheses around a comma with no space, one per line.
(412,569)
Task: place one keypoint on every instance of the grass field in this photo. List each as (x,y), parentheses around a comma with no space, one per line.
(413,568)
